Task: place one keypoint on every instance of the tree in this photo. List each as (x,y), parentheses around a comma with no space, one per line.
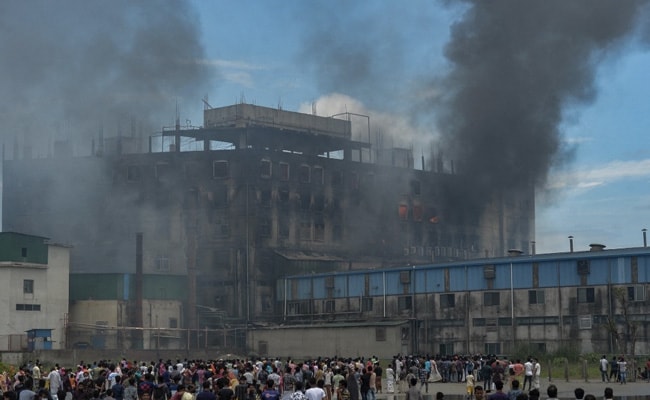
(625,337)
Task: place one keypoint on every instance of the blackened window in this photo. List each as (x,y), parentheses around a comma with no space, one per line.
(447,300)
(536,297)
(220,169)
(28,307)
(284,171)
(404,303)
(415,187)
(317,175)
(304,174)
(28,286)
(265,168)
(337,178)
(491,298)
(132,173)
(585,295)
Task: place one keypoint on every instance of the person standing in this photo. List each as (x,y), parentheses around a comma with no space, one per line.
(365,384)
(622,371)
(316,391)
(603,368)
(528,374)
(517,370)
(353,386)
(342,393)
(613,369)
(486,374)
(328,377)
(390,379)
(537,373)
(413,393)
(269,392)
(372,390)
(36,374)
(288,383)
(498,394)
(469,385)
(54,378)
(378,376)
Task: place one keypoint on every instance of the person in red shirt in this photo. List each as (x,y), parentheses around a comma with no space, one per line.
(517,372)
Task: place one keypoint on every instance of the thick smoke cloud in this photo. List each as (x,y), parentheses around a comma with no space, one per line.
(515,70)
(71,69)
(517,67)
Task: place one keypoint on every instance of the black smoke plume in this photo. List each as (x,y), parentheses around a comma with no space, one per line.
(516,68)
(74,68)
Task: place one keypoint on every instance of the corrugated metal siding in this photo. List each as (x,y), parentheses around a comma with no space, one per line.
(553,272)
(457,280)
(569,273)
(376,282)
(548,274)
(621,271)
(502,276)
(522,276)
(475,278)
(304,289)
(393,283)
(356,285)
(644,268)
(434,281)
(341,285)
(319,287)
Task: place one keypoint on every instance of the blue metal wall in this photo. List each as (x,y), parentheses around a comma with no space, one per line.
(559,270)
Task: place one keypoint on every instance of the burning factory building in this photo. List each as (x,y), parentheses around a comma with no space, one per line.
(225,210)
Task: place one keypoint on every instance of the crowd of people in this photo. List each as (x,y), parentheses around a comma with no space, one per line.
(336,378)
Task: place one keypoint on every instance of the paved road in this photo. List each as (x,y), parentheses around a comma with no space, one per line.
(632,390)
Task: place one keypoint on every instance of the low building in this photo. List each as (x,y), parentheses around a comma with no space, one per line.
(590,301)
(33,292)
(104,309)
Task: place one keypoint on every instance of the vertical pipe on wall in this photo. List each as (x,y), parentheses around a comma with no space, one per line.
(384,279)
(286,295)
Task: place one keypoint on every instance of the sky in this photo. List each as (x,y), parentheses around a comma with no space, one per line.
(599,194)
(552,93)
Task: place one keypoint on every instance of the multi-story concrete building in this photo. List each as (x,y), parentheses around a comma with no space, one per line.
(253,195)
(33,292)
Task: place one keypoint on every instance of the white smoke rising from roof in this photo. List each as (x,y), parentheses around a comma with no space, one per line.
(396,130)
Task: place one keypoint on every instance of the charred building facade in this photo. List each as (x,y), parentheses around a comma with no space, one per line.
(254,195)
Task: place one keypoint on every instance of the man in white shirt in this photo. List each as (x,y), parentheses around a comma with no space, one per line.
(604,363)
(316,392)
(54,377)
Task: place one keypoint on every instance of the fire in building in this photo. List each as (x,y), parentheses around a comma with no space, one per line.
(224,211)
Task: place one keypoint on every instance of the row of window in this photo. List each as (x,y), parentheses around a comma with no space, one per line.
(635,293)
(306,174)
(447,349)
(28,307)
(448,300)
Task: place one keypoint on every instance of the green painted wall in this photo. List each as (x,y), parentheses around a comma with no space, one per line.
(122,287)
(19,247)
